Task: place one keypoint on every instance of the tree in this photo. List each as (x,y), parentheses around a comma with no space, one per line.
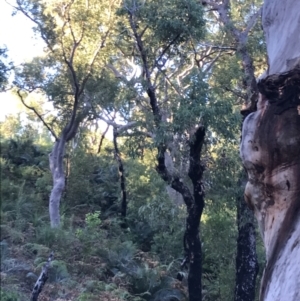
(270,152)
(171,102)
(238,20)
(4,69)
(75,34)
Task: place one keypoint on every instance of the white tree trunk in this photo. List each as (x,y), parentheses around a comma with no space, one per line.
(58,176)
(270,151)
(281,24)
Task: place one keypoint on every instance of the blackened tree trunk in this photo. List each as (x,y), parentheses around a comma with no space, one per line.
(270,151)
(121,175)
(194,199)
(194,202)
(246,258)
(37,289)
(193,242)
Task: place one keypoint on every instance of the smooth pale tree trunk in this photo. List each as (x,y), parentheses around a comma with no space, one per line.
(270,151)
(58,177)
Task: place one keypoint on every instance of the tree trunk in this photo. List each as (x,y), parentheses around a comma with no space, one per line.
(246,258)
(122,177)
(195,204)
(270,151)
(58,176)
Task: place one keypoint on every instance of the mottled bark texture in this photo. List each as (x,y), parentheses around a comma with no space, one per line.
(41,280)
(58,177)
(270,151)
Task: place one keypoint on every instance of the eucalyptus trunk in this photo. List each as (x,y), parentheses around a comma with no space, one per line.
(270,151)
(58,177)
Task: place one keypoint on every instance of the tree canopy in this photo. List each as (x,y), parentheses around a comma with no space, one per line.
(138,158)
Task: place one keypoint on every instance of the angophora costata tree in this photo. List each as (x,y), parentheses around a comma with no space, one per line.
(271,154)
(76,34)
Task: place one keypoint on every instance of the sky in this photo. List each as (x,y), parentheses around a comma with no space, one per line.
(17,35)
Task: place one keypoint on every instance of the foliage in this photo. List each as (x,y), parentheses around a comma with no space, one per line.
(5,68)
(196,83)
(8,296)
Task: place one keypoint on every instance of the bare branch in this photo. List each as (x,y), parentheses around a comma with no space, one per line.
(143,31)
(165,50)
(102,139)
(92,61)
(116,72)
(37,114)
(171,84)
(237,93)
(207,69)
(119,127)
(252,21)
(20,8)
(241,40)
(185,72)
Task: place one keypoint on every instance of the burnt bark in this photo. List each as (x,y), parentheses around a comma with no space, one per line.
(193,242)
(37,289)
(246,257)
(102,139)
(194,200)
(121,175)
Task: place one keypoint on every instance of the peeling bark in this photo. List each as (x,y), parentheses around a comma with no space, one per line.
(271,154)
(270,151)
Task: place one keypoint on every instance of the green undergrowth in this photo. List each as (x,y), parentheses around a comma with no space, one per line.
(95,260)
(97,254)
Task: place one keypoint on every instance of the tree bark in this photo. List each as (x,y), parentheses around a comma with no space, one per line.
(246,258)
(41,280)
(58,177)
(194,198)
(271,154)
(121,175)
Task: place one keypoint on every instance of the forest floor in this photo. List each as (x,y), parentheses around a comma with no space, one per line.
(87,265)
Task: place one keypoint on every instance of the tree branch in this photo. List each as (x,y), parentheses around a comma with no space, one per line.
(42,279)
(241,38)
(252,21)
(37,114)
(165,50)
(20,8)
(102,139)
